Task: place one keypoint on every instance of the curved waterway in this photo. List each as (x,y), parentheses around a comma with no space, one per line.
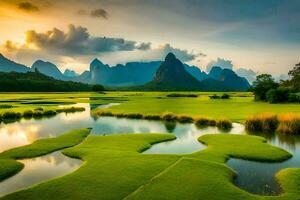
(37,170)
(255,177)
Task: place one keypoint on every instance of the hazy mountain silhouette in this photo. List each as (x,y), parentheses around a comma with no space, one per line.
(229,79)
(7,65)
(171,75)
(70,73)
(48,69)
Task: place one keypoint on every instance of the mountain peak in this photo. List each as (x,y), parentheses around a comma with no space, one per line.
(170,56)
(96,61)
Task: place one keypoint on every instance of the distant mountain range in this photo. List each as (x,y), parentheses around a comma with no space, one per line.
(172,75)
(140,73)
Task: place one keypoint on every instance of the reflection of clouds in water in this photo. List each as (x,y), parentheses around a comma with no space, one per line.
(186,141)
(13,135)
(38,170)
(110,125)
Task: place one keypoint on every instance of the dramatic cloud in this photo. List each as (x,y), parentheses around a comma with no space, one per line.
(249,74)
(99,13)
(182,54)
(225,64)
(77,40)
(26,6)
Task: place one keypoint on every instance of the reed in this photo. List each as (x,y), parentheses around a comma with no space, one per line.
(224,124)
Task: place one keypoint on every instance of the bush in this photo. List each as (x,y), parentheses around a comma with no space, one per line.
(289,124)
(11,115)
(4,106)
(212,122)
(49,113)
(134,116)
(185,119)
(181,95)
(168,116)
(294,98)
(70,110)
(37,114)
(28,114)
(152,117)
(202,122)
(225,96)
(98,88)
(39,109)
(214,97)
(262,123)
(278,95)
(224,124)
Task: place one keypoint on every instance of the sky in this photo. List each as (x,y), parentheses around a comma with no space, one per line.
(260,35)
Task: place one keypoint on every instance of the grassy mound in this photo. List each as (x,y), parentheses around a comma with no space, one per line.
(115,169)
(9,166)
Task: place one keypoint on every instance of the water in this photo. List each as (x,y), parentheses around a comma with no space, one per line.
(255,177)
(258,177)
(39,169)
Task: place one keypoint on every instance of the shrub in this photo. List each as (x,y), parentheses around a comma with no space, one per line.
(152,117)
(214,97)
(181,95)
(49,113)
(225,96)
(28,114)
(105,113)
(39,109)
(11,115)
(70,109)
(134,115)
(168,116)
(262,123)
(289,124)
(212,122)
(185,119)
(37,114)
(278,95)
(224,124)
(4,106)
(202,122)
(98,88)
(294,97)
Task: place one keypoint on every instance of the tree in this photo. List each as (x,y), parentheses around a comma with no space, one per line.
(262,85)
(295,77)
(98,88)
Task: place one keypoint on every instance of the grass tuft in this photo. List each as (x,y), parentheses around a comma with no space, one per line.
(168,116)
(224,124)
(267,122)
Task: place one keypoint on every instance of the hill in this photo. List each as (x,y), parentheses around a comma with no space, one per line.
(7,65)
(37,82)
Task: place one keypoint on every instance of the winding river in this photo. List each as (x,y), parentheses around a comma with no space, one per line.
(255,177)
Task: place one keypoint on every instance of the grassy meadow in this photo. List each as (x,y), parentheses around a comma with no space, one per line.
(115,169)
(114,166)
(240,106)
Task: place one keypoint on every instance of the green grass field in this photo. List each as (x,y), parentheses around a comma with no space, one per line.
(238,108)
(115,169)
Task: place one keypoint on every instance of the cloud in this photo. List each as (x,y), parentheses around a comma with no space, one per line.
(249,74)
(182,54)
(78,41)
(29,7)
(99,13)
(225,64)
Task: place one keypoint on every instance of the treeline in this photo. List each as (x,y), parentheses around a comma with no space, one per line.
(266,89)
(38,82)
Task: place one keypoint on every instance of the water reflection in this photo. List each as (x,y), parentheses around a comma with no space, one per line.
(252,176)
(39,169)
(258,177)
